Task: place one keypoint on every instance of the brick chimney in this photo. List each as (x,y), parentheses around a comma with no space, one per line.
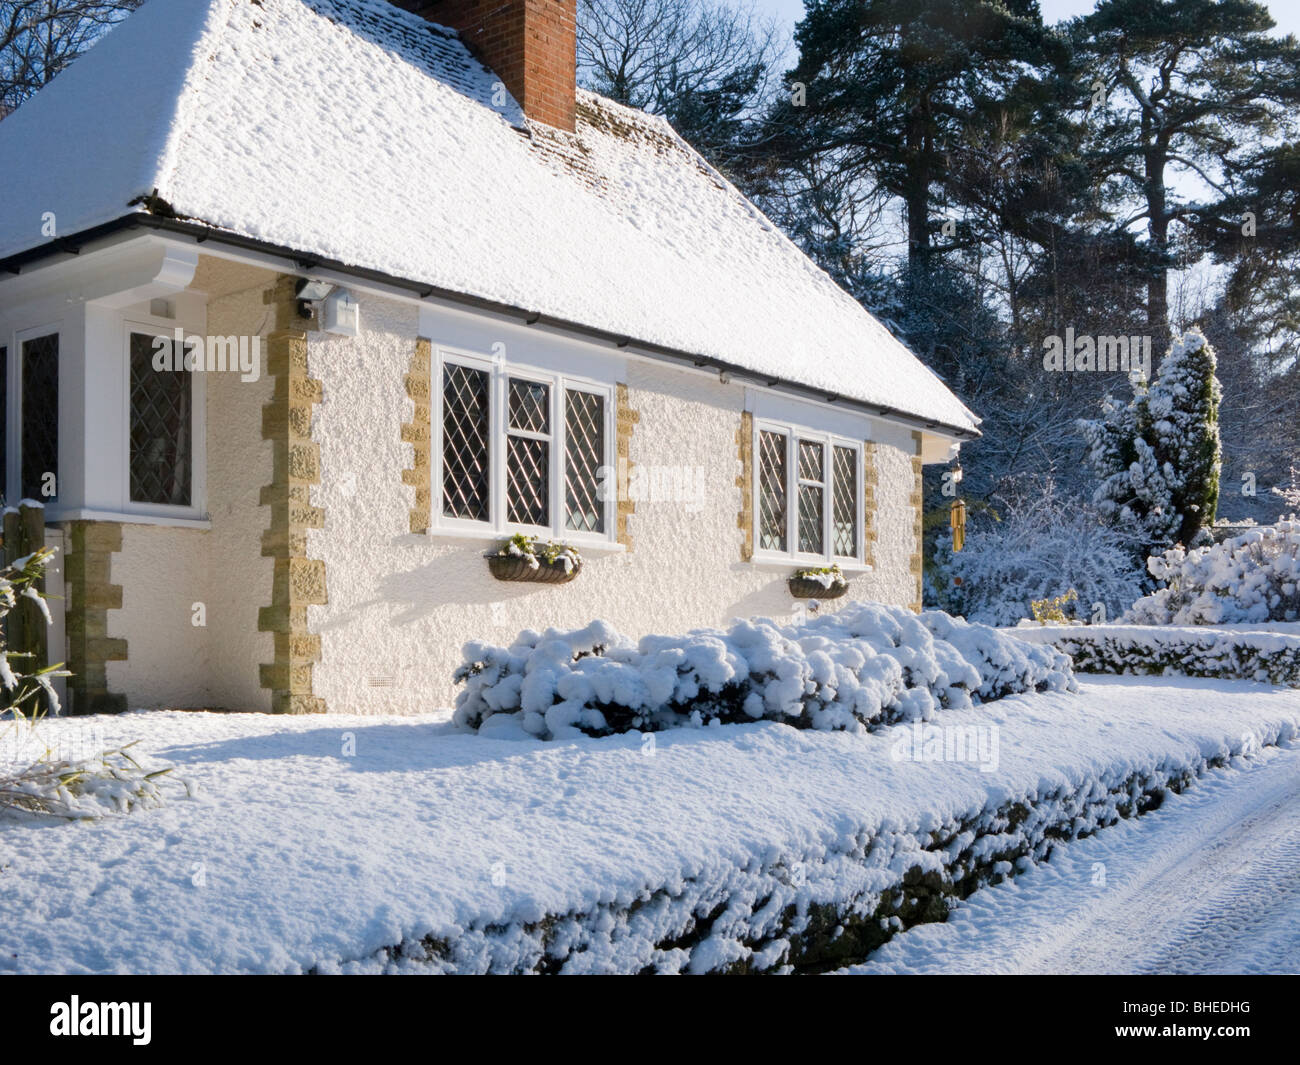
(531,45)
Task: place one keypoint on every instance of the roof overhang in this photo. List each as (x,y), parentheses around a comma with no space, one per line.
(295,261)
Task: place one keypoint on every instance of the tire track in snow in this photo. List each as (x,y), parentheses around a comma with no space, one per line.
(1208,883)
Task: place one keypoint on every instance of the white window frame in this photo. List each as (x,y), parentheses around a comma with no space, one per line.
(197,509)
(793,433)
(496,527)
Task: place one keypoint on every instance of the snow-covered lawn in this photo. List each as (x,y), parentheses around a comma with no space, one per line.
(297,853)
(1209,883)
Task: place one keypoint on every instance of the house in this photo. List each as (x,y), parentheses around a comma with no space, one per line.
(307,304)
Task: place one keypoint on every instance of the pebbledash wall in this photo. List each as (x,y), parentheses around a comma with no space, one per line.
(401,604)
(316,593)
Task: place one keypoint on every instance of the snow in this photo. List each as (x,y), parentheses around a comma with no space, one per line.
(1253,577)
(351,130)
(865,665)
(314,843)
(1209,883)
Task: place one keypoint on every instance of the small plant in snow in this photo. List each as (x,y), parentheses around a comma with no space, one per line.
(75,788)
(536,552)
(1052,611)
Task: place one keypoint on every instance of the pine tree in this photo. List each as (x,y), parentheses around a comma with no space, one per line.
(1188,88)
(1158,456)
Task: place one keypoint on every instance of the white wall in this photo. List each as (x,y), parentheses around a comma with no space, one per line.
(401,605)
(164,571)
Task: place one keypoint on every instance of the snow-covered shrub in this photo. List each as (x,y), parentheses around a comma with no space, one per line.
(868,664)
(1042,546)
(1248,578)
(21,687)
(1267,657)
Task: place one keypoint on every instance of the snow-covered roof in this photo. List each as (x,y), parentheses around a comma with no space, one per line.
(352,131)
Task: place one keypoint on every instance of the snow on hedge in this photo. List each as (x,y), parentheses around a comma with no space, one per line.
(1248,578)
(1240,654)
(868,664)
(710,849)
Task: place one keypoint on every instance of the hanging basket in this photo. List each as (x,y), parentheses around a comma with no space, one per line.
(807,588)
(517,568)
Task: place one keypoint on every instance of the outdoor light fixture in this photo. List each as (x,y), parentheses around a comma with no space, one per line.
(309,291)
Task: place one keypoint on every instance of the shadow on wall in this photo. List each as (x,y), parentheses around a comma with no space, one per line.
(460,578)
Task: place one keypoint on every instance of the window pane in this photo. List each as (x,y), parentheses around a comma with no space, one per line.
(771,491)
(810,519)
(40,415)
(530,406)
(528,465)
(844,502)
(584,447)
(161,424)
(465,453)
(811,457)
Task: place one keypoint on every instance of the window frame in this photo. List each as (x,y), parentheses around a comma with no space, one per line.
(794,432)
(197,508)
(500,371)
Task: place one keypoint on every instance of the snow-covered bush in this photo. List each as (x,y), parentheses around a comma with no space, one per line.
(22,687)
(1043,546)
(868,664)
(1249,578)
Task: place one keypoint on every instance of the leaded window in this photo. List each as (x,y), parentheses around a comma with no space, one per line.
(808,495)
(528,460)
(466,450)
(812,496)
(584,448)
(772,491)
(40,417)
(503,434)
(844,505)
(162,423)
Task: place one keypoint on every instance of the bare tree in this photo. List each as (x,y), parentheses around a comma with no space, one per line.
(708,66)
(39,38)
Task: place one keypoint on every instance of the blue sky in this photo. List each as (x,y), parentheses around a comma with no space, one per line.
(1286,13)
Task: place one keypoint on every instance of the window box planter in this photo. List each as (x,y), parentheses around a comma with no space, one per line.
(522,558)
(828,583)
(515,568)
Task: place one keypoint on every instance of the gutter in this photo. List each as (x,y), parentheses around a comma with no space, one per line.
(72,245)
